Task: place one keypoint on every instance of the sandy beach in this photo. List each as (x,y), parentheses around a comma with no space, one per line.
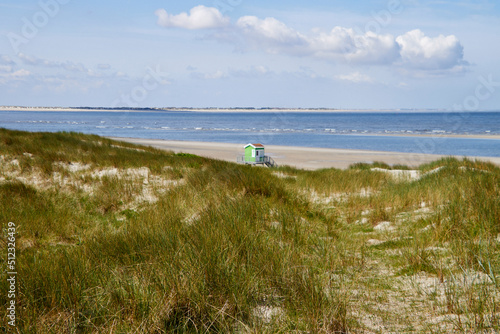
(300,157)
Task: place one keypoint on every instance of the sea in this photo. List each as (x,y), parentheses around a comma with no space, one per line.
(398,131)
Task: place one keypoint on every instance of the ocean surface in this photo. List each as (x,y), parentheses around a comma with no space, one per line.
(402,131)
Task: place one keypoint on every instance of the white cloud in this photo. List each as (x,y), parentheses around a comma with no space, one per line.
(257,71)
(27,59)
(369,48)
(261,69)
(215,75)
(355,77)
(21,73)
(67,65)
(199,17)
(426,53)
(271,34)
(208,76)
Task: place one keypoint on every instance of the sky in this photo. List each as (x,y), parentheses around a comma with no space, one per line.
(392,54)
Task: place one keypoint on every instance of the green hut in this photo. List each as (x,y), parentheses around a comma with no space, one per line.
(254,153)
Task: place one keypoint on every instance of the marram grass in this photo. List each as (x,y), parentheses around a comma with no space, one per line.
(117,238)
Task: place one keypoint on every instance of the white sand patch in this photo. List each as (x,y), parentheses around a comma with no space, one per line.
(361,221)
(36,181)
(423,210)
(129,148)
(105,172)
(422,282)
(162,185)
(14,162)
(142,172)
(338,197)
(267,313)
(374,242)
(321,199)
(436,249)
(434,171)
(191,219)
(464,169)
(147,196)
(87,188)
(472,277)
(400,174)
(138,172)
(364,193)
(384,227)
(406,175)
(446,322)
(79,172)
(73,166)
(372,322)
(428,227)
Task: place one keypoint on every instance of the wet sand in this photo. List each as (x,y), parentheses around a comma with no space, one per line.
(310,158)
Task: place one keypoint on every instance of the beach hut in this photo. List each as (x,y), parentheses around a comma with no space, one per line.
(254,153)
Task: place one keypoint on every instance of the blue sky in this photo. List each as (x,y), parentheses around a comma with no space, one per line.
(238,53)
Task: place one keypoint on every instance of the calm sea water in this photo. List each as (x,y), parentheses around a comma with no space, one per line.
(332,130)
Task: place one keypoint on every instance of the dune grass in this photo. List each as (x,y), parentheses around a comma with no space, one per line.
(113,238)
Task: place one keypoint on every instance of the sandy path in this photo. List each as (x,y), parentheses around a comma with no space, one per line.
(300,157)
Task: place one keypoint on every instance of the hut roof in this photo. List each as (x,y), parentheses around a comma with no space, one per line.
(255,145)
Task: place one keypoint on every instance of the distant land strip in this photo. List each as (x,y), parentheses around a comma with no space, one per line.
(210,109)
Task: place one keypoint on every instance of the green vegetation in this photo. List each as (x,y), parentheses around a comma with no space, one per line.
(117,238)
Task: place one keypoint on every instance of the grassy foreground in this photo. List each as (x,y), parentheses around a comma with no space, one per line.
(117,238)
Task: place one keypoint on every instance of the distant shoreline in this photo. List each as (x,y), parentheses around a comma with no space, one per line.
(213,110)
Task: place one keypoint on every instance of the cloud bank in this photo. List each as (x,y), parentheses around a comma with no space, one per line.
(413,51)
